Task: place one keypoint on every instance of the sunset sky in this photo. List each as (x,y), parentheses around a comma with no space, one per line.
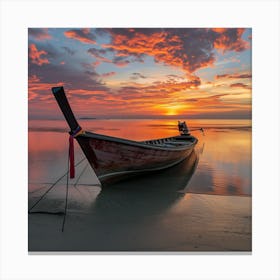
(141,72)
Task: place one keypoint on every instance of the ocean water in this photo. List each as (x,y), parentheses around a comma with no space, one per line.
(224,150)
(208,192)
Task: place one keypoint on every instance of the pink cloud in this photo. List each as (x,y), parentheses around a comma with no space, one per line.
(37,90)
(83,35)
(36,55)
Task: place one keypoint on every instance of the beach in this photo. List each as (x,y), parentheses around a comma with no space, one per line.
(203,204)
(196,223)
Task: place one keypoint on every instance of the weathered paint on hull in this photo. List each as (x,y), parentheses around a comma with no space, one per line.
(112,157)
(111,160)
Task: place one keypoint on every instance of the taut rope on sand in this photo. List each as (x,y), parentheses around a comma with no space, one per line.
(49,189)
(70,153)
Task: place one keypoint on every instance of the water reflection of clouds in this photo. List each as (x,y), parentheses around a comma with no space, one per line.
(48,156)
(225,164)
(225,154)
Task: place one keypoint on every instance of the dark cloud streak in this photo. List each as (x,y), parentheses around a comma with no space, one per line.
(39,34)
(234,76)
(136,75)
(83,35)
(240,85)
(69,51)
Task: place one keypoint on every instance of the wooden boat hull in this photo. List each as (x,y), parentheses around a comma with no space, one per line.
(114,158)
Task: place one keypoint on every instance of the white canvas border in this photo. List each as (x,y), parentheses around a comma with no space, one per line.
(17,16)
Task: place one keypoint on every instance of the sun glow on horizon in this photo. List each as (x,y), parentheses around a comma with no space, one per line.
(171,109)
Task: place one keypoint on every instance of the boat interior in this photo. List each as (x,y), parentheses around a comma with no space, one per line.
(171,141)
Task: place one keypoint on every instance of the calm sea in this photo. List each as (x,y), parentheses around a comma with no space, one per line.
(223,152)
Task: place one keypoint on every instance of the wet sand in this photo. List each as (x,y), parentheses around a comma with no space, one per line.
(196,223)
(152,213)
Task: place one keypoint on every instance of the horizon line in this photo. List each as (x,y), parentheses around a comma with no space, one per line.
(144,117)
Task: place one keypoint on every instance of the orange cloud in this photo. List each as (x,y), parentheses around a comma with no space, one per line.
(219,30)
(187,49)
(153,99)
(157,89)
(230,39)
(39,90)
(154,45)
(216,104)
(35,55)
(83,35)
(190,49)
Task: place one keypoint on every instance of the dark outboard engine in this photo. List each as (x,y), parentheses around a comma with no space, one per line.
(182,126)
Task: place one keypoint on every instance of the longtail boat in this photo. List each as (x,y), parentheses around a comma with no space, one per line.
(115,158)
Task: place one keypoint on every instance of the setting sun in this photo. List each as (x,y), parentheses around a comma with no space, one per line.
(174,110)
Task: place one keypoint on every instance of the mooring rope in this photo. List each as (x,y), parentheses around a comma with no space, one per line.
(83,171)
(67,190)
(45,193)
(195,129)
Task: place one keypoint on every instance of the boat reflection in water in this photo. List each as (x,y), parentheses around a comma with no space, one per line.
(148,194)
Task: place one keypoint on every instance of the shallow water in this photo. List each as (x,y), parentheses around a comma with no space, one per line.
(224,151)
(169,210)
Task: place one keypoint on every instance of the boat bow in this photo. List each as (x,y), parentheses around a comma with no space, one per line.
(115,158)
